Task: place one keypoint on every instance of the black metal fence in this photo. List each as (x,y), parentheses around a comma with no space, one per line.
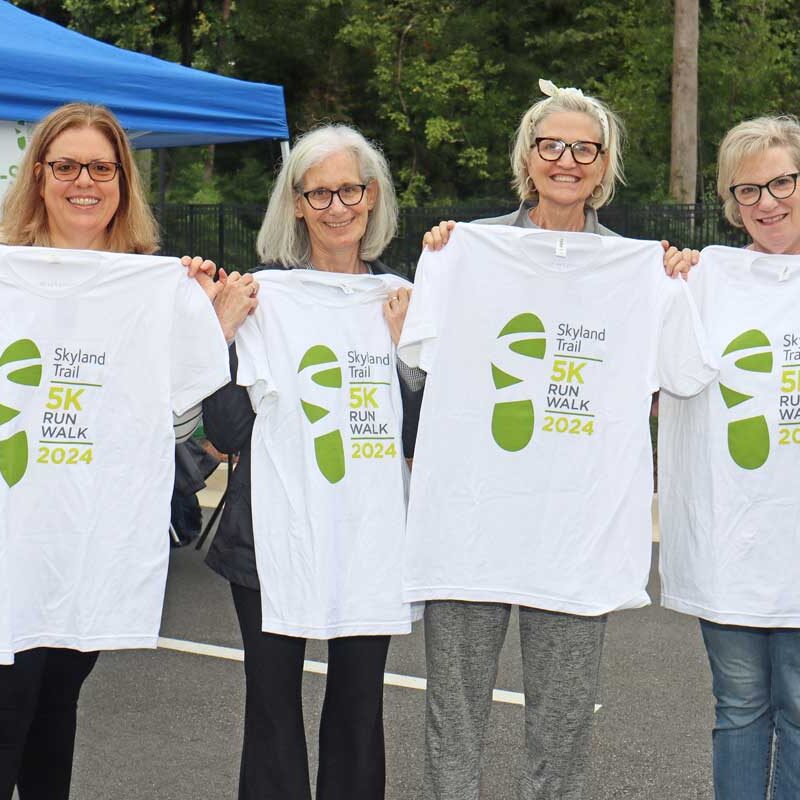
(227,233)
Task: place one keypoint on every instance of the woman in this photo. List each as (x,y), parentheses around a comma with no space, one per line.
(566,161)
(78,188)
(730,551)
(332,210)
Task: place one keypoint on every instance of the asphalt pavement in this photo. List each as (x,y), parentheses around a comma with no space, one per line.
(166,724)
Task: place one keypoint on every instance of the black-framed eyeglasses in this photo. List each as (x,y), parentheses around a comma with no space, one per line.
(552,149)
(748,194)
(65,169)
(350,195)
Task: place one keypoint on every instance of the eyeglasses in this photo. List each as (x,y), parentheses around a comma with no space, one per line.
(748,194)
(349,195)
(65,169)
(553,149)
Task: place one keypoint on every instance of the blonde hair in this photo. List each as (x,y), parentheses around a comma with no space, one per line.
(569,100)
(284,237)
(133,228)
(752,138)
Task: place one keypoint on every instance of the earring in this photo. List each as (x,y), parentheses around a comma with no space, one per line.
(529,184)
(597,191)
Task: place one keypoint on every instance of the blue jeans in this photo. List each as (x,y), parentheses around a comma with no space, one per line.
(756,681)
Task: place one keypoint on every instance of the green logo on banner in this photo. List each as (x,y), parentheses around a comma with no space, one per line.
(512,421)
(748,437)
(325,371)
(14,449)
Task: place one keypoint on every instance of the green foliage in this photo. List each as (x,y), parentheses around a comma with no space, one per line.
(441,84)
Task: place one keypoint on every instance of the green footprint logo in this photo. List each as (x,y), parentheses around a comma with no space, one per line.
(328,447)
(14,449)
(512,421)
(748,438)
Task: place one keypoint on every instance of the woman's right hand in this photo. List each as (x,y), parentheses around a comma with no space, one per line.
(437,237)
(234,301)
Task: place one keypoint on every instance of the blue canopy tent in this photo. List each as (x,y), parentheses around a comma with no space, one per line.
(161,104)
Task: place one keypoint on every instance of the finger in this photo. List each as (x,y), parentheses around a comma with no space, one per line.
(427,241)
(671,260)
(445,228)
(194,265)
(695,257)
(222,276)
(208,267)
(665,245)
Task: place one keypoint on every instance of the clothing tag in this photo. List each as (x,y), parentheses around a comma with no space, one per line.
(561,247)
(784,276)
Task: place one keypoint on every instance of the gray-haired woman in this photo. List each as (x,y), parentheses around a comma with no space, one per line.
(332,209)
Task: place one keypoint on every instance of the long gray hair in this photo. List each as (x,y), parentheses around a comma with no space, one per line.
(284,237)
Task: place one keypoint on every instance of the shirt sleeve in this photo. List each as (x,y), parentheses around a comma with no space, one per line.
(199,355)
(254,370)
(685,361)
(418,341)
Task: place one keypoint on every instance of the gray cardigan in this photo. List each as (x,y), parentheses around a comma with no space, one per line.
(521,219)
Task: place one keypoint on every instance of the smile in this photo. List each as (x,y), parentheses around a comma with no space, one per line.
(565,178)
(338,224)
(772,220)
(83,201)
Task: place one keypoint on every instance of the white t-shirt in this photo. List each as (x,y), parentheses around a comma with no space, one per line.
(532,473)
(729,459)
(328,472)
(96,352)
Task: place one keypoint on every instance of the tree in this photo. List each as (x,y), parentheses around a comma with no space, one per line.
(683,156)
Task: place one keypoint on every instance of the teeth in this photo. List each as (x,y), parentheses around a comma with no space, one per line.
(768,220)
(565,178)
(84,201)
(337,224)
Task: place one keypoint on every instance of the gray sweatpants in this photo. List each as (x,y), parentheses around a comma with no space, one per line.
(561,664)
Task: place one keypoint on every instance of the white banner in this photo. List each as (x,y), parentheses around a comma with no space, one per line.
(14,138)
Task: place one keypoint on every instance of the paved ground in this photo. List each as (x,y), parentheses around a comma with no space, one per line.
(165,725)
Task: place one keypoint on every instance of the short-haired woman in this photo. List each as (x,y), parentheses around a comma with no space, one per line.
(730,551)
(566,161)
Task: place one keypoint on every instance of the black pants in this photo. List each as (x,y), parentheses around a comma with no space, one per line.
(38,707)
(274,758)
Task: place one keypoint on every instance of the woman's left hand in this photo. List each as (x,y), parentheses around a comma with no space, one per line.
(679,262)
(236,299)
(203,271)
(394,311)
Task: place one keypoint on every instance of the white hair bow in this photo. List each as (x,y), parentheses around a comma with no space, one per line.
(551,90)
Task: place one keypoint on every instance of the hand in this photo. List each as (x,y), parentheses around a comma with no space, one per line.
(394,311)
(235,299)
(679,262)
(438,236)
(203,271)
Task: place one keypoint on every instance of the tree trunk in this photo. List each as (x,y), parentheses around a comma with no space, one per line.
(683,157)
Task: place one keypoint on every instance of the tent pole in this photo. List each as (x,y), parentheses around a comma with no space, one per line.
(162,182)
(284,150)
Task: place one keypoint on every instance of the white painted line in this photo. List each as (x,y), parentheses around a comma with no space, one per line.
(321,668)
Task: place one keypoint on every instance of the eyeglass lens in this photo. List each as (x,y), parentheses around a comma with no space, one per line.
(553,149)
(66,169)
(748,194)
(350,195)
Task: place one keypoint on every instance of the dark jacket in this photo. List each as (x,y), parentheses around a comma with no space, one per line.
(228,419)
